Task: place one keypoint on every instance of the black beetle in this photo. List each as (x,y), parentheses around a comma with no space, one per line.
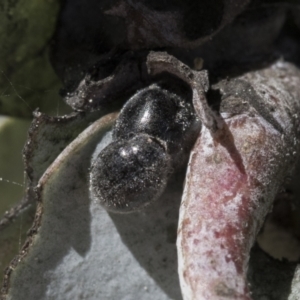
(151,138)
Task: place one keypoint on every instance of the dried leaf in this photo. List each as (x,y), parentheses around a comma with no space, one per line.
(73,237)
(233,178)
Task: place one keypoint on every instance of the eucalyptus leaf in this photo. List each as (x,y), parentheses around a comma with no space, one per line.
(48,136)
(115,256)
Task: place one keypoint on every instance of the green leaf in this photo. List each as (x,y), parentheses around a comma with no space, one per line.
(27,80)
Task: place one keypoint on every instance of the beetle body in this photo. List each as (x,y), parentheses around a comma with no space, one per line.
(151,138)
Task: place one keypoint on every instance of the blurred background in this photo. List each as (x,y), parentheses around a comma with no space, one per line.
(27,82)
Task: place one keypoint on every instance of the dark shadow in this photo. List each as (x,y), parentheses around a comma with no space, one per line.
(249,43)
(288,44)
(226,139)
(84,34)
(269,278)
(214,99)
(157,254)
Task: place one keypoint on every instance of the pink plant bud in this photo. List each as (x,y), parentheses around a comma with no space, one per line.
(233,177)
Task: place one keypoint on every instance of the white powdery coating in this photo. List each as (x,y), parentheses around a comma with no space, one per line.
(108,270)
(229,189)
(107,138)
(82,252)
(214,271)
(295,292)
